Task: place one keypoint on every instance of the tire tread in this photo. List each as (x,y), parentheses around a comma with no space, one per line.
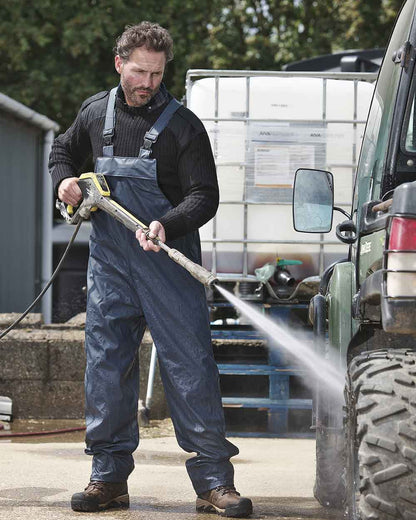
(384,435)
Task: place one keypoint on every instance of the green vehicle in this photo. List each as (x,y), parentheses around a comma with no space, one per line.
(365,313)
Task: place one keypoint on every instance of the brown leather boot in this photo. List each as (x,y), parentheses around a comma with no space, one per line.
(101,495)
(226,501)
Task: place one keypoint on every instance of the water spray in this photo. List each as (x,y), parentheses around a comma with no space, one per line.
(291,343)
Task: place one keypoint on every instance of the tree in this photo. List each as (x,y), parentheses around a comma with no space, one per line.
(54,54)
(267,34)
(367,23)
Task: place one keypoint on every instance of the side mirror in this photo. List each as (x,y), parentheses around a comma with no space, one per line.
(313,201)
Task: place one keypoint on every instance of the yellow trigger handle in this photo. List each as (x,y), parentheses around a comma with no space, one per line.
(70,209)
(100,184)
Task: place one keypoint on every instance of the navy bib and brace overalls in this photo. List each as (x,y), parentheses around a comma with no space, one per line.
(127,289)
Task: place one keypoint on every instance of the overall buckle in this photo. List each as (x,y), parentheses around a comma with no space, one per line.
(108,135)
(149,140)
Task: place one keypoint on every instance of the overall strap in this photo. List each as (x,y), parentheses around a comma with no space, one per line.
(160,124)
(110,120)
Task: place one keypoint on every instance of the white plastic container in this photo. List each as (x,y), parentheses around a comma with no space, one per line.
(262,129)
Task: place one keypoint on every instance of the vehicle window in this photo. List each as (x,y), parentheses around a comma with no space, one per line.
(410,128)
(374,148)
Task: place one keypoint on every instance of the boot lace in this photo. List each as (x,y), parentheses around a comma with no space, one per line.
(226,490)
(96,485)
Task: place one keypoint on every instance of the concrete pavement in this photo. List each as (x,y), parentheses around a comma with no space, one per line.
(38,479)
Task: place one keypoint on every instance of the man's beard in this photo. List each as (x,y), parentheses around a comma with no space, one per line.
(134,98)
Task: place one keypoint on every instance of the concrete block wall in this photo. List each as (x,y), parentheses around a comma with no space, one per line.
(42,370)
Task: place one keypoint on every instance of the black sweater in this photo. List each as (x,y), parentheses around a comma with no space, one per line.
(185,165)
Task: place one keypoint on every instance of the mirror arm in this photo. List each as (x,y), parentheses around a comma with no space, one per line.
(337,208)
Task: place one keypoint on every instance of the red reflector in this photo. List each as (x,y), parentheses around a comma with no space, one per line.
(402,234)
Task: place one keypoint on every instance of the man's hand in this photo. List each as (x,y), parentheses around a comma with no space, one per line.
(155,229)
(69,191)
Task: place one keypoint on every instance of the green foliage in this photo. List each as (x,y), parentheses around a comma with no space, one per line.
(367,22)
(54,54)
(266,34)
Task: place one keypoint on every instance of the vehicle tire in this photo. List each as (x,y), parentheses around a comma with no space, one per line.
(329,488)
(381,436)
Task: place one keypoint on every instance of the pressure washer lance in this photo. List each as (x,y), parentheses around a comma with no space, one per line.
(96,195)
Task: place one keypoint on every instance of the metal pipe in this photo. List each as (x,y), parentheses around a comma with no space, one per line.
(270,203)
(210,73)
(245,164)
(234,277)
(253,241)
(47,223)
(245,217)
(281,120)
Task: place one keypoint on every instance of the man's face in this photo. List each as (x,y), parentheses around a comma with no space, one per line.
(141,75)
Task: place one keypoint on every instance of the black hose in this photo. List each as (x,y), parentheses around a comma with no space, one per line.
(58,268)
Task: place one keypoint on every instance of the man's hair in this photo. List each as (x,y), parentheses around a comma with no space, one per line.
(146,34)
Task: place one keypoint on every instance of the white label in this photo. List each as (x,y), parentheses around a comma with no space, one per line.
(275,165)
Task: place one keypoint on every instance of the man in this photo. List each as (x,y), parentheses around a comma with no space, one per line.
(158,163)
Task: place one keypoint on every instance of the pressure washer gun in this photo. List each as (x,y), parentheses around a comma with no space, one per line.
(96,195)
